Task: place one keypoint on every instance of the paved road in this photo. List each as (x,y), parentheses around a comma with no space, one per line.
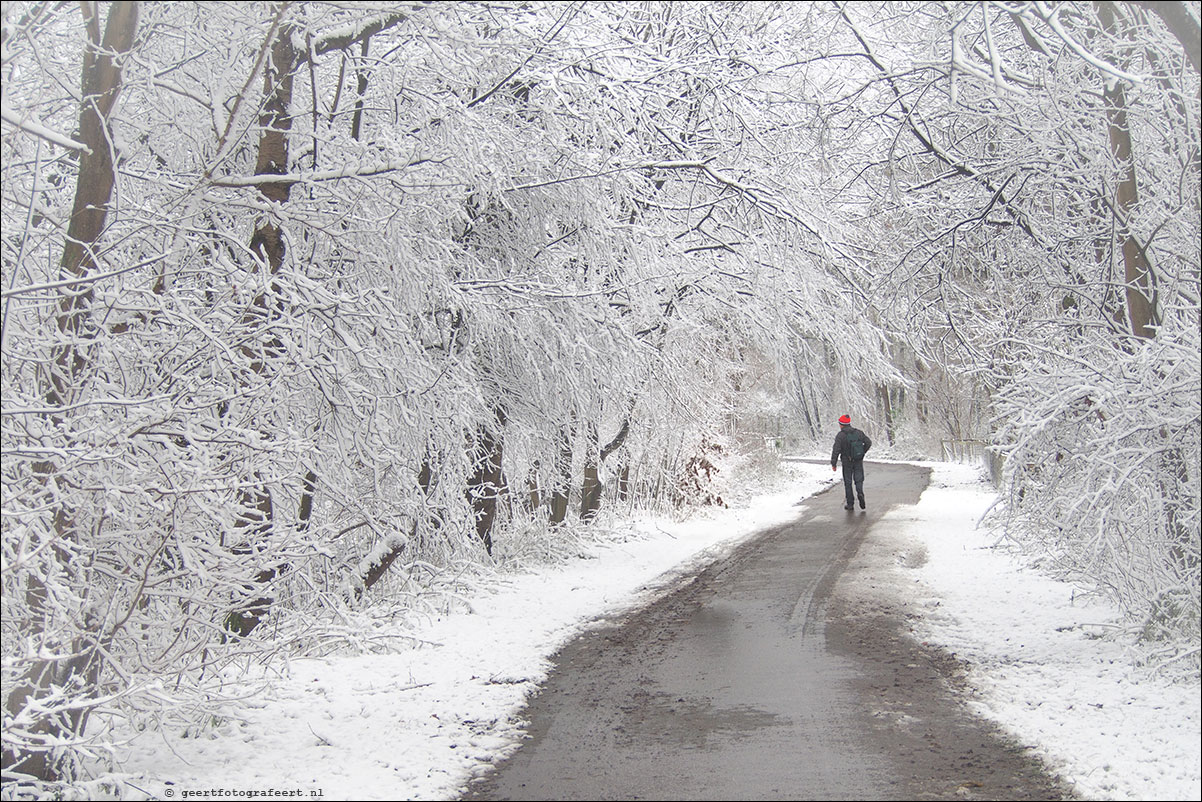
(753,681)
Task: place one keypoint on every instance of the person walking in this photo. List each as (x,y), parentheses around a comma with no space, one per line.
(851,445)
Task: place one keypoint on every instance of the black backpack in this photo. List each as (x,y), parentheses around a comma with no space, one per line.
(855,444)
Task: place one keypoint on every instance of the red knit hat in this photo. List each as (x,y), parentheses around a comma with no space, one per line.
(845,420)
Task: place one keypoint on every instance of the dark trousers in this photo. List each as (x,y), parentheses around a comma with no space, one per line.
(853,471)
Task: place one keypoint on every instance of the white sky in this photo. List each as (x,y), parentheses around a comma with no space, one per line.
(420,721)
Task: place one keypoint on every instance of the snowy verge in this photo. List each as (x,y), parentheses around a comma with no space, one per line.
(1041,663)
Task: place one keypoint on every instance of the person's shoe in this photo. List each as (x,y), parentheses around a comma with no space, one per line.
(848,506)
(861,502)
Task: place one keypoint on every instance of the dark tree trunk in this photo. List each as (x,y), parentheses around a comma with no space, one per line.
(590,490)
(1137,273)
(361,76)
(562,477)
(256,509)
(534,494)
(67,370)
(624,483)
(887,411)
(590,496)
(486,483)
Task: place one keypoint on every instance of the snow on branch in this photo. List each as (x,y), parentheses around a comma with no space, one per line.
(345,37)
(659,165)
(1051,15)
(350,171)
(39,130)
(31,289)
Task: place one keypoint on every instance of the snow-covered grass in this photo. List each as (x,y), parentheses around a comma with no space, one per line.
(419,722)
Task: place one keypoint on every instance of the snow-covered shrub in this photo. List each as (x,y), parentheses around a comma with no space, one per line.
(1102,452)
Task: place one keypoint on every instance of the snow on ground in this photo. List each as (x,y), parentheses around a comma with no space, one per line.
(1041,666)
(420,722)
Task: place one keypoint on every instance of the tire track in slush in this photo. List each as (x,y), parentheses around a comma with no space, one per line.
(753,682)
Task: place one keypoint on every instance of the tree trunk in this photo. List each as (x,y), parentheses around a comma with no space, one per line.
(65,380)
(254,523)
(484,486)
(590,496)
(256,509)
(534,495)
(376,571)
(361,76)
(101,86)
(886,410)
(1137,273)
(590,489)
(562,477)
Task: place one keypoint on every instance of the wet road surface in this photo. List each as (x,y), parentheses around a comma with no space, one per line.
(755,681)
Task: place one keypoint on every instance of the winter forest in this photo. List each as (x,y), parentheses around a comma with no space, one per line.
(312,309)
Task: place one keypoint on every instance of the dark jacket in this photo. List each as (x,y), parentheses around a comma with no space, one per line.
(843,445)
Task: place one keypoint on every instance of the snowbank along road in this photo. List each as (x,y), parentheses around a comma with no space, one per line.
(755,680)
